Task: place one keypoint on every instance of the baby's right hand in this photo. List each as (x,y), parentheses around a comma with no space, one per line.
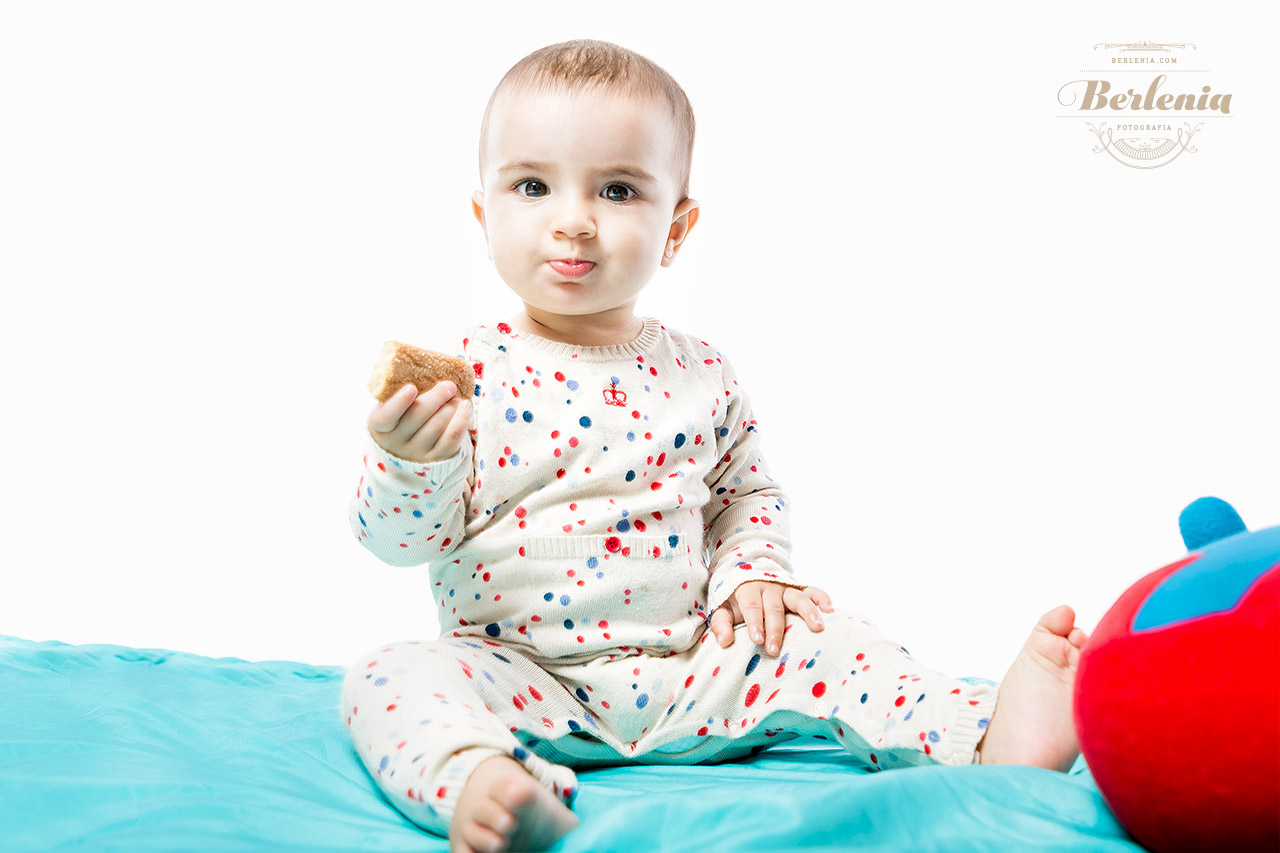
(427,429)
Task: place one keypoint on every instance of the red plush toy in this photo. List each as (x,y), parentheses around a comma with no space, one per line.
(1177,696)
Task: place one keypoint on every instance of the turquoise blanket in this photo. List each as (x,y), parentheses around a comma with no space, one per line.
(113,748)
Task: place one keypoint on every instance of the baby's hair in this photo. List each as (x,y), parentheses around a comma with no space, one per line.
(573,66)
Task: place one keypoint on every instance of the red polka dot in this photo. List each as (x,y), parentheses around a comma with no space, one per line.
(819,688)
(898,702)
(751,695)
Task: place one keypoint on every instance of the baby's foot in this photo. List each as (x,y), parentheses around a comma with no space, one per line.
(502,807)
(1032,722)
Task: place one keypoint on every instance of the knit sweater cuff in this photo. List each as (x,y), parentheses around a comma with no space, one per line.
(416,475)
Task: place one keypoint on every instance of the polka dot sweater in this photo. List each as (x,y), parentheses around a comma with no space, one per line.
(608,500)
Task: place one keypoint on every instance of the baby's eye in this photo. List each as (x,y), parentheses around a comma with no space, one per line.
(607,194)
(540,184)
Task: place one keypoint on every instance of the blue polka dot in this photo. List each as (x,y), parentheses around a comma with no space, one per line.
(520,753)
(528,416)
(568,624)
(511,416)
(547,597)
(679,440)
(585,421)
(624,525)
(642,700)
(515,458)
(863,700)
(571,384)
(631,475)
(581,694)
(672,541)
(592,562)
(564,599)
(631,436)
(933,737)
(613,379)
(492,629)
(380,681)
(752,664)
(382,765)
(984,722)
(417,513)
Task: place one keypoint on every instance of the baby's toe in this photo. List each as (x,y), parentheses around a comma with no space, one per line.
(1060,620)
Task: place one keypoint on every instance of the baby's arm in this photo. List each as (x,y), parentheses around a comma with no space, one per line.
(746,524)
(408,513)
(410,506)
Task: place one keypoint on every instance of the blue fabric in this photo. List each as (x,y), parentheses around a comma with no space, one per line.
(112,748)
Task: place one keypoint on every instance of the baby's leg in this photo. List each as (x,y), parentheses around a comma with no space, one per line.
(422,728)
(882,705)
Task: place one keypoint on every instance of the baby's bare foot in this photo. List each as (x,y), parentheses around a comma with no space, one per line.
(502,807)
(1032,721)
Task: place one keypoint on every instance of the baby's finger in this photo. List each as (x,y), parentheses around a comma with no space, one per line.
(775,617)
(428,436)
(422,410)
(722,627)
(799,602)
(819,596)
(386,414)
(752,609)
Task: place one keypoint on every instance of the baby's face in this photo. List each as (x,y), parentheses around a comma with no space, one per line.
(590,176)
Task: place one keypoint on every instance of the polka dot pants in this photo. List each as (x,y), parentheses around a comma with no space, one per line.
(422,715)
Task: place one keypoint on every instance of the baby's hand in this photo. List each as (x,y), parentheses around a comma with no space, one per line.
(765,605)
(425,429)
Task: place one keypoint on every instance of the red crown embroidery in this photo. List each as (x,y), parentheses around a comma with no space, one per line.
(612,394)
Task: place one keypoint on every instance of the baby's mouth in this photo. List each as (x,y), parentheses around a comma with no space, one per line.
(571,268)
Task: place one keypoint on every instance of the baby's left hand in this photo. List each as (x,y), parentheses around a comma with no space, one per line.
(765,605)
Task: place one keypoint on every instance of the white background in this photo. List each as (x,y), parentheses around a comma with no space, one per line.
(990,366)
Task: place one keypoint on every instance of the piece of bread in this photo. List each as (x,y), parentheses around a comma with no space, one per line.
(400,364)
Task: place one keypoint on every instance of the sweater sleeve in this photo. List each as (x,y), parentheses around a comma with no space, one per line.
(409,513)
(746,523)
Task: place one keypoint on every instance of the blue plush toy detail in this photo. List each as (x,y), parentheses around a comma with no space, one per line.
(1216,582)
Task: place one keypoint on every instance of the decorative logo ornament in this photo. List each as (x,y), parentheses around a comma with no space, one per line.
(614,397)
(1144,135)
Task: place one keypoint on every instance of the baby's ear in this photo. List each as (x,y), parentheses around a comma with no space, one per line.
(477,207)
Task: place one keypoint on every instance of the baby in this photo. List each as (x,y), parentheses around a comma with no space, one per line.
(595,509)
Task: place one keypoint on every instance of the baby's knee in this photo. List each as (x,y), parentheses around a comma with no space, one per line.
(367,671)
